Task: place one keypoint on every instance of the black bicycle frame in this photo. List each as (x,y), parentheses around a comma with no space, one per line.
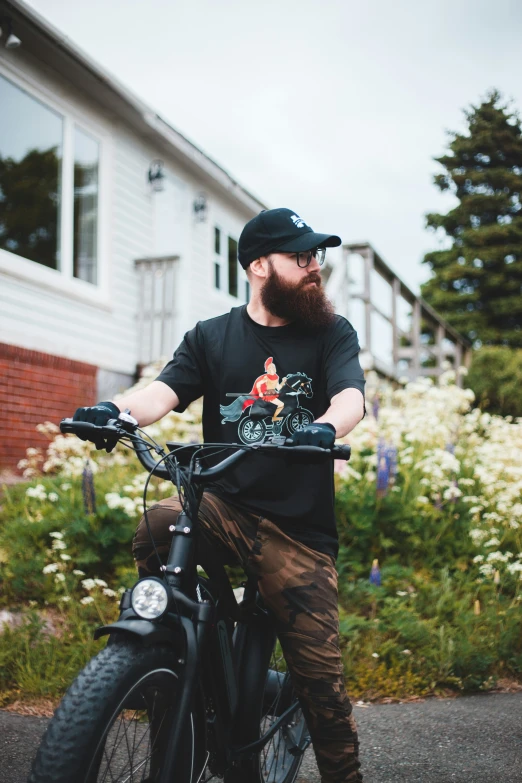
(227,658)
(230,659)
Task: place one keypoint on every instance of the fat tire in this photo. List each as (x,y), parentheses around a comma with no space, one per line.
(68,746)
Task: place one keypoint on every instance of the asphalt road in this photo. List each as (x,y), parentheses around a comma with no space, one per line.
(477,739)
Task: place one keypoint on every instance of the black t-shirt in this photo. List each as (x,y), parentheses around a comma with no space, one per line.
(258,381)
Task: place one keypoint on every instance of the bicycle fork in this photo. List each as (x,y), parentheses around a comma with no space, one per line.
(195,630)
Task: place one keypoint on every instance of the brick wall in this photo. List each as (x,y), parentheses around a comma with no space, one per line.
(37,387)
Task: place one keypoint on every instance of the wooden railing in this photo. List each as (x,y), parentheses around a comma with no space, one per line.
(157,307)
(400,334)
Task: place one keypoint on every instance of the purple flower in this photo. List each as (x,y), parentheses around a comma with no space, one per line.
(375,574)
(383,469)
(391,457)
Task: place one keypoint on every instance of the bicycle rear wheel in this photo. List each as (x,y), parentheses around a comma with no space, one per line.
(279,760)
(114,722)
(269,695)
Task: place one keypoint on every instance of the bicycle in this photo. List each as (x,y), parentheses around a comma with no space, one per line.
(190,687)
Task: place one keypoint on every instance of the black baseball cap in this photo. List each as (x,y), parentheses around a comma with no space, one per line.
(279,230)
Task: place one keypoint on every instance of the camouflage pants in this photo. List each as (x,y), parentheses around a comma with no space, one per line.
(299,585)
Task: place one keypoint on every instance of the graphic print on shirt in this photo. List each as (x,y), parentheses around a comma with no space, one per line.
(273,406)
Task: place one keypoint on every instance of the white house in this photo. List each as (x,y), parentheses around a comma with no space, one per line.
(116,233)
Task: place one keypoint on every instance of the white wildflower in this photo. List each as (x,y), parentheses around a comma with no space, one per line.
(65,557)
(402,592)
(165,486)
(65,598)
(100,583)
(375,655)
(478,558)
(51,568)
(87,600)
(109,592)
(59,544)
(65,486)
(492,542)
(56,534)
(77,572)
(53,497)
(59,578)
(498,557)
(38,492)
(88,584)
(452,493)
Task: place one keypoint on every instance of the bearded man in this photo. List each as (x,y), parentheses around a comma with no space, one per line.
(276,518)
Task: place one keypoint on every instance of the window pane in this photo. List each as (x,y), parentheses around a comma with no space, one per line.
(232,266)
(30,170)
(217,241)
(86,157)
(217,275)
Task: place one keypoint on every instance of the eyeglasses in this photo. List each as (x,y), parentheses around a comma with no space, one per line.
(305,259)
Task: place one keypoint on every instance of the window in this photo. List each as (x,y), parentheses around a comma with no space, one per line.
(42,219)
(232,266)
(86,157)
(227,273)
(218,260)
(30,174)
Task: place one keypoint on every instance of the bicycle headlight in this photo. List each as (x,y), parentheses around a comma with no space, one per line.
(149,598)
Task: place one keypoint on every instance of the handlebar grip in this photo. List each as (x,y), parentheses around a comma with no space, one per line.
(89,430)
(78,427)
(339,451)
(342,451)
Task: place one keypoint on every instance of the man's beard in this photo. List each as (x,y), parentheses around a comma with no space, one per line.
(304,304)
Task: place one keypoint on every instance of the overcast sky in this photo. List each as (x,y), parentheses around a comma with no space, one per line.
(334,108)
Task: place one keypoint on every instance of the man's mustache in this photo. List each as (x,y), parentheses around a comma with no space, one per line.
(313,277)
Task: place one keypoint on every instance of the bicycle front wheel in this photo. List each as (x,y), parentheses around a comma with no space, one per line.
(114,722)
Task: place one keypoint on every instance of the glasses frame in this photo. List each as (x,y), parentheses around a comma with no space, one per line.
(304,258)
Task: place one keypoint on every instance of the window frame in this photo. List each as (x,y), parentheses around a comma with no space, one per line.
(221,260)
(62,279)
(218,260)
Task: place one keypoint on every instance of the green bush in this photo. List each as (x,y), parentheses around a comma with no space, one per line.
(495,376)
(433,492)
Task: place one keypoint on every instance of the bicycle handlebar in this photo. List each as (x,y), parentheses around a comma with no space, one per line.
(117,429)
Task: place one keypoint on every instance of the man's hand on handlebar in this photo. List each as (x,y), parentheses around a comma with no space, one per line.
(322,435)
(98,415)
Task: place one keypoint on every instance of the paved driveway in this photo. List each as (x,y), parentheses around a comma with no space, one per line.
(477,739)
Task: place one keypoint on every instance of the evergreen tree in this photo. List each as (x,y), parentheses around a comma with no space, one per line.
(477,283)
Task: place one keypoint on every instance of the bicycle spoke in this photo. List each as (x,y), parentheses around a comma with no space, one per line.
(130,745)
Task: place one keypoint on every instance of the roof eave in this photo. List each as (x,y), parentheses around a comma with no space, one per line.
(129,106)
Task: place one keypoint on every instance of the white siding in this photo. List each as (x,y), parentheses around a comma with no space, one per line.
(42,311)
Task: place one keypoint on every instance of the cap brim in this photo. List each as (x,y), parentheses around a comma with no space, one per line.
(308,241)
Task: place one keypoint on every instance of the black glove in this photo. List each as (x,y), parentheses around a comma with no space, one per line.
(322,435)
(98,414)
